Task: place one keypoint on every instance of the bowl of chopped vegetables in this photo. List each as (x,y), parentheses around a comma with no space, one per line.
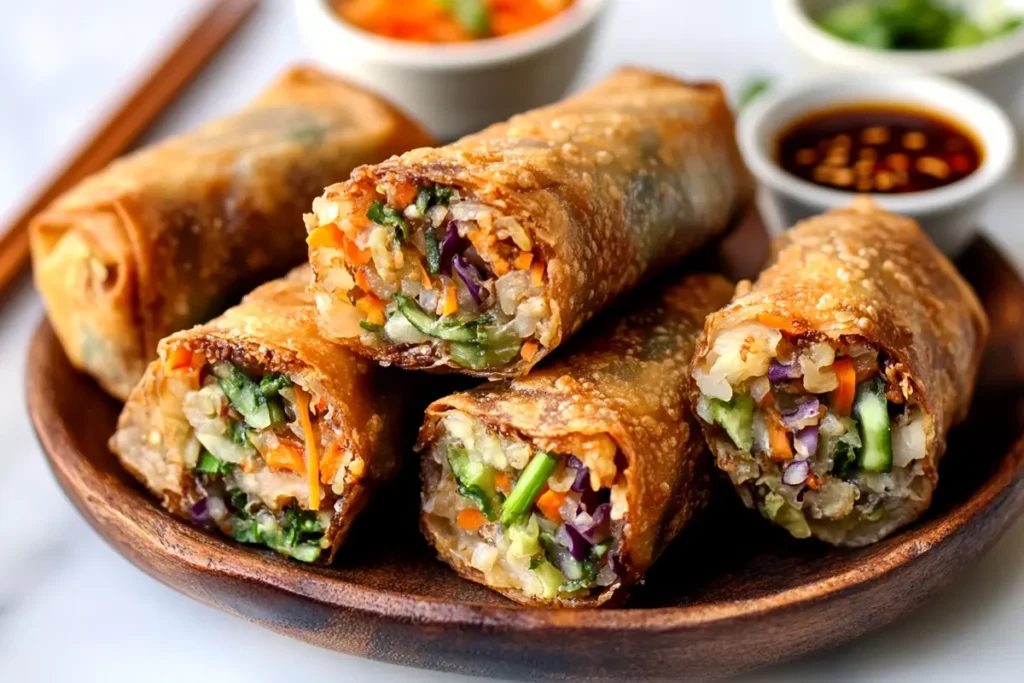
(979,42)
(456,65)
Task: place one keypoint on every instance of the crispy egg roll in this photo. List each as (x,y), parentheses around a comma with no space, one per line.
(255,425)
(483,256)
(826,389)
(563,487)
(170,235)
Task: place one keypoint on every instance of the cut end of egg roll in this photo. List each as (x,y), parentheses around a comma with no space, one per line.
(253,425)
(827,388)
(563,487)
(172,234)
(483,256)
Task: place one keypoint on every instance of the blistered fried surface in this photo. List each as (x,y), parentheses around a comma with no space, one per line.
(611,185)
(274,329)
(627,380)
(863,273)
(168,236)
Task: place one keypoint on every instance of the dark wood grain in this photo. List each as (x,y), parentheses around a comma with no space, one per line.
(732,594)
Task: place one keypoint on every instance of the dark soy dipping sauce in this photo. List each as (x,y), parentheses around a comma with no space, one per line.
(882,148)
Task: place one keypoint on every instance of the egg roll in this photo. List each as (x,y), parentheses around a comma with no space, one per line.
(174,233)
(254,425)
(826,389)
(563,487)
(483,256)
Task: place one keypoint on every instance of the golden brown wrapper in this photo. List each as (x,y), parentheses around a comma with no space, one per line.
(170,235)
(611,185)
(864,274)
(274,330)
(626,380)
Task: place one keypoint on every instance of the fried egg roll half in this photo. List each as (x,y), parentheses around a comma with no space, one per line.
(485,255)
(563,487)
(171,235)
(826,388)
(254,425)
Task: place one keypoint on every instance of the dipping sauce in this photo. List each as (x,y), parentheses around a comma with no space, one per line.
(878,148)
(448,21)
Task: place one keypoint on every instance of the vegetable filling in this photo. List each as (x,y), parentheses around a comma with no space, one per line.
(526,518)
(425,266)
(813,433)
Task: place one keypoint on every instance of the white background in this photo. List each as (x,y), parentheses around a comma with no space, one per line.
(73,610)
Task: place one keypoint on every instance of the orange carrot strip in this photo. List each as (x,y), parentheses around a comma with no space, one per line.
(523,261)
(329,236)
(362,282)
(355,255)
(781,322)
(550,503)
(284,457)
(842,397)
(529,350)
(537,273)
(177,358)
(503,482)
(424,276)
(451,300)
(405,194)
(312,457)
(331,463)
(470,519)
(372,308)
(778,439)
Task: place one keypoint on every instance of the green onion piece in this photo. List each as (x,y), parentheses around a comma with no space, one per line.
(423,198)
(273,383)
(472,15)
(211,464)
(244,394)
(752,89)
(370,327)
(528,487)
(386,216)
(433,252)
(443,194)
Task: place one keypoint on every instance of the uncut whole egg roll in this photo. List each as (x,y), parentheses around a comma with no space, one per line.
(826,389)
(563,487)
(169,236)
(484,255)
(254,425)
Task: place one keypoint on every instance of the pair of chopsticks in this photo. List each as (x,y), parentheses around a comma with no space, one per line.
(156,90)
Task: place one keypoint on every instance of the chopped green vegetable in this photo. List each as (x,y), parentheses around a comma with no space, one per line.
(601,548)
(370,327)
(240,433)
(211,464)
(475,481)
(874,515)
(423,197)
(535,562)
(528,487)
(297,535)
(525,538)
(736,417)
(245,396)
(273,383)
(871,409)
(551,579)
(238,499)
(752,89)
(785,515)
(433,252)
(429,325)
(588,574)
(473,16)
(384,215)
(845,461)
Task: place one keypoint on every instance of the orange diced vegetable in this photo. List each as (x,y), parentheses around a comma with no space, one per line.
(523,261)
(424,276)
(842,397)
(778,438)
(781,322)
(177,358)
(537,273)
(372,308)
(529,350)
(451,300)
(312,457)
(331,463)
(329,236)
(355,255)
(405,194)
(550,504)
(284,457)
(470,519)
(503,482)
(362,282)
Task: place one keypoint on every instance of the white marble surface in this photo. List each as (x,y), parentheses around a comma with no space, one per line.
(73,610)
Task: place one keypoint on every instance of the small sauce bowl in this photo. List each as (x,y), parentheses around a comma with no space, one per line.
(949,213)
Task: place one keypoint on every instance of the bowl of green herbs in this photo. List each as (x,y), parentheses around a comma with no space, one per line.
(980,42)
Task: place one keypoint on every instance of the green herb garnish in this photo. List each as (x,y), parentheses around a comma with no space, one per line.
(528,487)
(273,383)
(384,215)
(370,327)
(211,464)
(244,395)
(433,252)
(473,16)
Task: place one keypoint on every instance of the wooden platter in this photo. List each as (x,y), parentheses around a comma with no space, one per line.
(730,595)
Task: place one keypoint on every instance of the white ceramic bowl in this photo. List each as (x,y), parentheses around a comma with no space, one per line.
(949,214)
(455,89)
(996,68)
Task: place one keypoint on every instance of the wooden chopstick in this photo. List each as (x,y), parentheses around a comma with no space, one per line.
(155,91)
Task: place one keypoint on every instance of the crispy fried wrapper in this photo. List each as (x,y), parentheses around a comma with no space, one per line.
(629,465)
(541,221)
(225,423)
(854,353)
(170,235)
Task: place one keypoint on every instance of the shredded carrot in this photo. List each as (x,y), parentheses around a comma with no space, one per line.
(372,308)
(813,482)
(177,358)
(362,282)
(768,400)
(470,519)
(781,322)
(284,457)
(331,463)
(312,458)
(537,273)
(355,255)
(451,300)
(529,350)
(842,397)
(503,482)
(523,261)
(405,194)
(329,236)
(424,276)
(778,439)
(550,503)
